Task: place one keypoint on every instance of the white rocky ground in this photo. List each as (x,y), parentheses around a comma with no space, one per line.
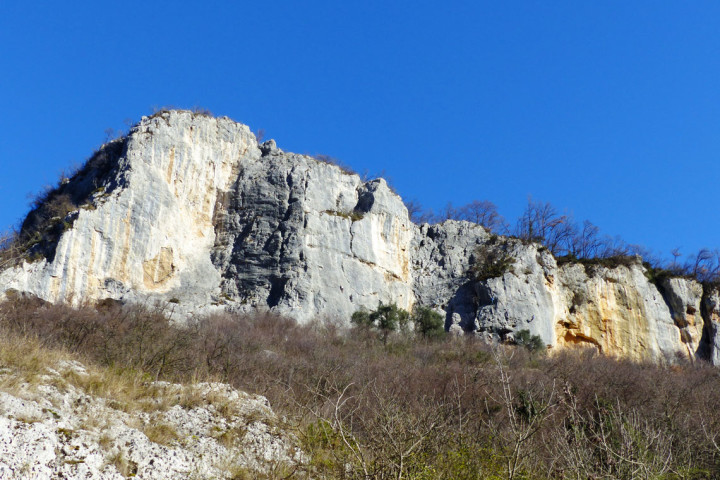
(52,426)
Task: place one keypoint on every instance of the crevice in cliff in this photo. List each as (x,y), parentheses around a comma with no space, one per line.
(366,197)
(277,289)
(680,313)
(665,295)
(707,344)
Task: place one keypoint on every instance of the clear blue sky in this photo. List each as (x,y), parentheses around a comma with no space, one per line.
(609,110)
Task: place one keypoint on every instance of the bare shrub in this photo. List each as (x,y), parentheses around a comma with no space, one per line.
(541,223)
(491,260)
(705,265)
(415,210)
(485,213)
(10,249)
(586,243)
(346,169)
(406,408)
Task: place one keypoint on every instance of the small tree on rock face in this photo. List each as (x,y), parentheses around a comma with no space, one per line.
(428,322)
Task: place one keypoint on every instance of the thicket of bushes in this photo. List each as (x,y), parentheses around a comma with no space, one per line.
(412,408)
(570,241)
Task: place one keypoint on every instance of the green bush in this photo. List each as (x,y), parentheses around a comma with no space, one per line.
(361,318)
(534,343)
(386,319)
(428,322)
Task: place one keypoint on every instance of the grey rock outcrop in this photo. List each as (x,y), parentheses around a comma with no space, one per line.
(209,219)
(441,261)
(191,210)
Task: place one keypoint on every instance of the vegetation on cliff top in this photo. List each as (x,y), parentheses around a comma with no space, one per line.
(567,240)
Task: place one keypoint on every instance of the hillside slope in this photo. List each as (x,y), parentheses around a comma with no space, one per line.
(61,419)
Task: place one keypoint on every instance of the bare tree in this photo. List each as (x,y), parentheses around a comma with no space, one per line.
(525,413)
(483,212)
(586,243)
(415,210)
(427,216)
(675,266)
(449,212)
(613,247)
(541,223)
(705,265)
(10,251)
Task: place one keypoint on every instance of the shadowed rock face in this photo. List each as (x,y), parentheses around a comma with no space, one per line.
(191,209)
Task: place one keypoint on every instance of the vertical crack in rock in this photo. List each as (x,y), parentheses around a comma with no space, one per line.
(710,311)
(684,297)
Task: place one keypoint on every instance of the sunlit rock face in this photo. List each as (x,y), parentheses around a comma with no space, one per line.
(619,311)
(308,239)
(150,226)
(191,213)
(684,299)
(199,214)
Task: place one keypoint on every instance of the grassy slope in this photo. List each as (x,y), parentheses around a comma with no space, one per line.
(407,408)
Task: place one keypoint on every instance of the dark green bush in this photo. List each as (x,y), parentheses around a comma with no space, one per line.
(385,319)
(491,261)
(428,323)
(534,343)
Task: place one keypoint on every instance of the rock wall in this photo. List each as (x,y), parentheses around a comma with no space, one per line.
(191,211)
(208,219)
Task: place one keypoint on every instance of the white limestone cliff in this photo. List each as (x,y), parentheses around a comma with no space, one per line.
(191,211)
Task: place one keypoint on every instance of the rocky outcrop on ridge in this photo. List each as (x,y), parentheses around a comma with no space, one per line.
(192,210)
(51,427)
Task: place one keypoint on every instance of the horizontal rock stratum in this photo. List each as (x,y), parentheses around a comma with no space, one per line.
(191,211)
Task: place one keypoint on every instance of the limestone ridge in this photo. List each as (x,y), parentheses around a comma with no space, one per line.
(191,210)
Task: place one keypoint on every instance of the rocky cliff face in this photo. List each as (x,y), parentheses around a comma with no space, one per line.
(191,210)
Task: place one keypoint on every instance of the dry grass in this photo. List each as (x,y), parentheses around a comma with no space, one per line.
(161,433)
(27,362)
(411,408)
